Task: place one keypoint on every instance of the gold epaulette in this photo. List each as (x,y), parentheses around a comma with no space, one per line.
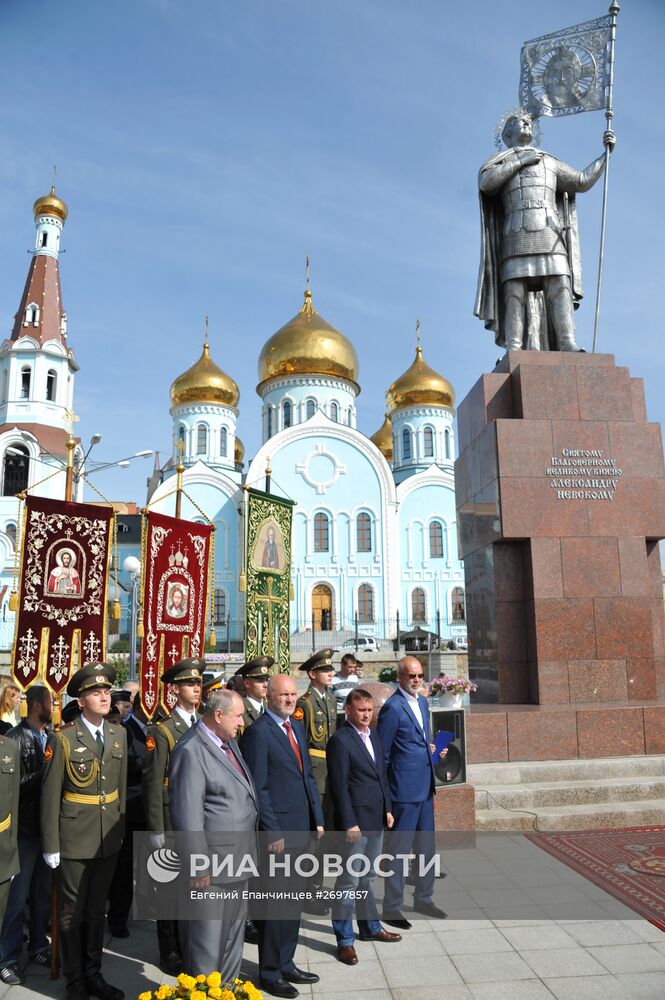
(170,739)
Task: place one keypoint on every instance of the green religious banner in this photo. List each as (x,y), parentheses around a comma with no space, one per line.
(268,560)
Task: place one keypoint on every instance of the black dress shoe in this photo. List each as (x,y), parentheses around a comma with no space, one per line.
(98,987)
(278,988)
(251,932)
(300,976)
(430,910)
(396,919)
(119,930)
(171,963)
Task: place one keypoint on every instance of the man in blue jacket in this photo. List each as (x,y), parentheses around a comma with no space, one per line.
(275,749)
(404,732)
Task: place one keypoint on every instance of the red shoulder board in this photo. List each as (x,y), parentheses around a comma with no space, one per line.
(48,753)
(299,714)
(150,743)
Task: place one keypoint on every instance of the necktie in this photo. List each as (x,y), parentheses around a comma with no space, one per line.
(192,720)
(226,746)
(293,742)
(100,743)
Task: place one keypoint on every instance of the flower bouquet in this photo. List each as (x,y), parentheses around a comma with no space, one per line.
(201,987)
(451,689)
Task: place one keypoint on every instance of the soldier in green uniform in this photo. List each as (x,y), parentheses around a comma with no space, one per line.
(82,819)
(10,779)
(186,678)
(255,674)
(316,709)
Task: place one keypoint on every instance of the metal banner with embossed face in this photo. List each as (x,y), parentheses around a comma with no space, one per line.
(268,577)
(61,620)
(176,560)
(566,72)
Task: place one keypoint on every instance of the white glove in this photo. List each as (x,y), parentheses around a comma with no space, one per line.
(52,860)
(157,841)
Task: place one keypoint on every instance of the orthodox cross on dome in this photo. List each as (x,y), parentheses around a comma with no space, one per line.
(55,174)
(417,331)
(307,273)
(69,418)
(206,333)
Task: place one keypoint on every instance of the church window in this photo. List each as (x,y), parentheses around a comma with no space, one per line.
(406,444)
(349,418)
(311,408)
(181,433)
(446,443)
(428,443)
(32,314)
(458,607)
(287,413)
(364,533)
(321,533)
(365,603)
(334,412)
(25,383)
(269,422)
(418,605)
(201,439)
(436,540)
(223,442)
(51,382)
(15,469)
(44,239)
(220,606)
(10,531)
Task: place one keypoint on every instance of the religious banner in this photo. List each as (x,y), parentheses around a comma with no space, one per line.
(177,562)
(61,619)
(568,71)
(268,554)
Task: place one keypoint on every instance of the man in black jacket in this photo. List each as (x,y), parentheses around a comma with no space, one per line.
(34,881)
(360,794)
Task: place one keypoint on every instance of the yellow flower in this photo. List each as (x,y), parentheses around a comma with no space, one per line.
(214,979)
(226,995)
(200,979)
(187,981)
(214,991)
(197,995)
(164,992)
(145,996)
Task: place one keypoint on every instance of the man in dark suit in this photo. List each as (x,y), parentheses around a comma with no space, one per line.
(404,732)
(358,787)
(276,751)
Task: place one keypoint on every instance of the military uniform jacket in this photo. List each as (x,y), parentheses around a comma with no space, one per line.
(10,779)
(319,719)
(159,745)
(250,714)
(82,812)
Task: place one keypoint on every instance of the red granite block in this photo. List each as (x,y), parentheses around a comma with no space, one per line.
(585,435)
(590,567)
(455,809)
(604,393)
(486,454)
(659,667)
(639,403)
(513,683)
(488,399)
(654,728)
(530,509)
(638,508)
(615,732)
(637,450)
(512,360)
(633,567)
(597,680)
(538,393)
(544,573)
(498,397)
(486,737)
(641,676)
(542,735)
(510,631)
(552,682)
(654,568)
(509,570)
(623,627)
(565,629)
(587,360)
(524,448)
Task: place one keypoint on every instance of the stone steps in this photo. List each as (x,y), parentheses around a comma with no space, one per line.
(569,795)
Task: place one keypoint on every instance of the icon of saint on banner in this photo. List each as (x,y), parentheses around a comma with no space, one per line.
(268,551)
(177,600)
(63,578)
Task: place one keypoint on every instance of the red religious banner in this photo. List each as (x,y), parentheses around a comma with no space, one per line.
(61,619)
(177,562)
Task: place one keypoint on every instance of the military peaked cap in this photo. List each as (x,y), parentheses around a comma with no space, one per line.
(92,675)
(321,660)
(71,711)
(257,669)
(212,684)
(185,670)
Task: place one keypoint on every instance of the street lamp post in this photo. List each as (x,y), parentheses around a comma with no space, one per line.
(132,566)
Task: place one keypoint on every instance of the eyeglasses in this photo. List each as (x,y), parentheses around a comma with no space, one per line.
(414,677)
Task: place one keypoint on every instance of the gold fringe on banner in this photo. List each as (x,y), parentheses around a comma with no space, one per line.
(292,591)
(76,661)
(13,601)
(44,641)
(212,638)
(242,582)
(56,713)
(23,707)
(184,653)
(116,610)
(160,662)
(140,630)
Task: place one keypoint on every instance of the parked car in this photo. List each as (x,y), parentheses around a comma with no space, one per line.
(366,644)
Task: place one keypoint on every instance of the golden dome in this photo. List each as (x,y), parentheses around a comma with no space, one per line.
(420,385)
(50,204)
(238,451)
(308,345)
(383,439)
(204,382)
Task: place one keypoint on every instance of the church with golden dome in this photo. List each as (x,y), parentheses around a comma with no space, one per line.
(374,524)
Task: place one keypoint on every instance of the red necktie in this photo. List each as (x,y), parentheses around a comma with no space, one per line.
(293,742)
(232,758)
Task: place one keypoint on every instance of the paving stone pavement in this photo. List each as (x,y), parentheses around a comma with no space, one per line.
(521,926)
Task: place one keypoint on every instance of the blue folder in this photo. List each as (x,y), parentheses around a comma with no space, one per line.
(442,741)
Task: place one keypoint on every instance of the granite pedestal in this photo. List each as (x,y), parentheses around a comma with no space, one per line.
(560,488)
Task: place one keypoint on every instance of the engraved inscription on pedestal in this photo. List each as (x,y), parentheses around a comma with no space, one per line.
(584,474)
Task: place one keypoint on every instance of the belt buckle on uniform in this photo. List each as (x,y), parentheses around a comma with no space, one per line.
(102,799)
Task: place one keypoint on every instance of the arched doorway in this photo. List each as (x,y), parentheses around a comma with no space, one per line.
(322,607)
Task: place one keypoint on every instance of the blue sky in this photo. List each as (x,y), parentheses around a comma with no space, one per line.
(204,147)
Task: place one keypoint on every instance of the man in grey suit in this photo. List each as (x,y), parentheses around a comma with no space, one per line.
(211,792)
